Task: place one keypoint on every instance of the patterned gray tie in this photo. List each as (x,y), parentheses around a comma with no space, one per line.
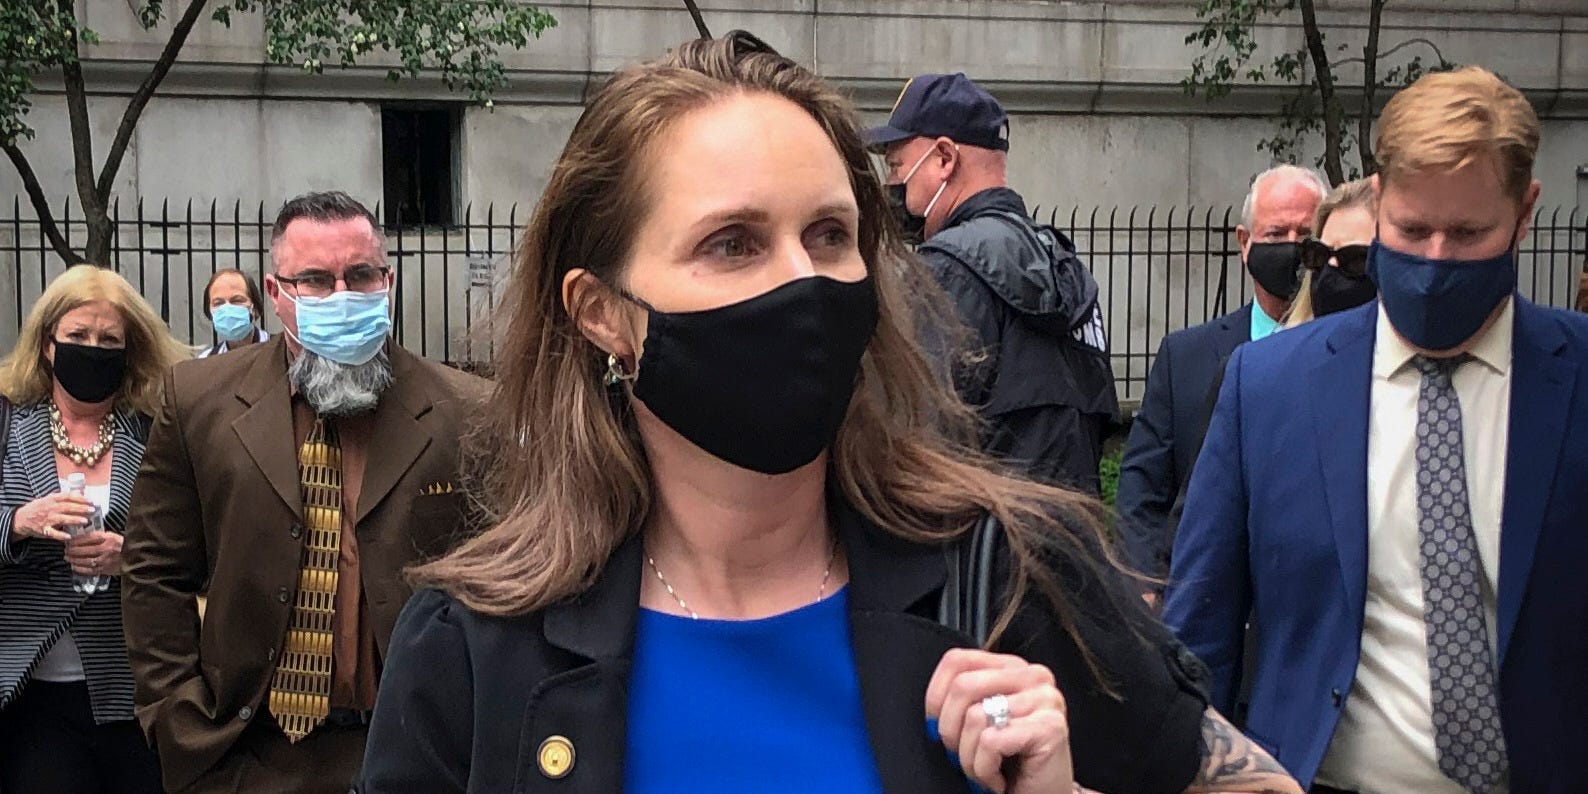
(1461,665)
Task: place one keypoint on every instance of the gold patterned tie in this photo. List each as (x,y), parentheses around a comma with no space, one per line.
(300,692)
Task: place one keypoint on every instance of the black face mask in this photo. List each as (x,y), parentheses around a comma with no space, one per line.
(1334,290)
(89,374)
(1274,266)
(912,227)
(764,383)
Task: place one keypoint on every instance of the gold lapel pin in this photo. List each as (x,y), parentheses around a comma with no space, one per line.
(556,757)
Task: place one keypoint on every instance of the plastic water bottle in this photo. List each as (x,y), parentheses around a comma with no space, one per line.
(77,485)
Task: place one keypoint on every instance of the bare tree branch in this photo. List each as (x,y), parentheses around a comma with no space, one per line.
(140,98)
(1324,78)
(700,22)
(1391,51)
(41,204)
(1364,121)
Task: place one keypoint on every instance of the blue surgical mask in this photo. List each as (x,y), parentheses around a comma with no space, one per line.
(346,327)
(232,323)
(1437,304)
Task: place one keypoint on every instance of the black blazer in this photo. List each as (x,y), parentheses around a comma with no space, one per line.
(467,700)
(1167,434)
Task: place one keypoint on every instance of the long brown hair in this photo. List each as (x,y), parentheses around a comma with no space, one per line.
(151,350)
(567,481)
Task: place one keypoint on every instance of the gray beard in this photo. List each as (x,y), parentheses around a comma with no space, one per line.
(333,389)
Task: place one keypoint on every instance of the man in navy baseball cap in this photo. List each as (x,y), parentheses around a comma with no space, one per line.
(1044,384)
(945,106)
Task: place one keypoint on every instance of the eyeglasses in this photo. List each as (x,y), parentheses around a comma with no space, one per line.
(1351,259)
(320,283)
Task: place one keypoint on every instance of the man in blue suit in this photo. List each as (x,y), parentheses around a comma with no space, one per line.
(1167,431)
(1396,495)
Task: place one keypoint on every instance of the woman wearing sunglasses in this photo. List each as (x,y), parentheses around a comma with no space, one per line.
(1333,278)
(1334,265)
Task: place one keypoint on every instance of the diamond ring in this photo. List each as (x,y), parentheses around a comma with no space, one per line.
(997,710)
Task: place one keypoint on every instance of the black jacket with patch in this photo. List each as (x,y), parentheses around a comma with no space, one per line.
(1043,382)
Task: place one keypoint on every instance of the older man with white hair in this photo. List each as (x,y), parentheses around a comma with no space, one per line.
(1168,430)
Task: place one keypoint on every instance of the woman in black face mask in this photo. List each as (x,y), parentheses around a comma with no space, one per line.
(723,480)
(78,390)
(1334,265)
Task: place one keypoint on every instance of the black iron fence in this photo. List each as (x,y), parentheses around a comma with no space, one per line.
(1160,269)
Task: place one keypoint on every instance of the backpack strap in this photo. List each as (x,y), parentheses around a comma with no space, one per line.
(966,605)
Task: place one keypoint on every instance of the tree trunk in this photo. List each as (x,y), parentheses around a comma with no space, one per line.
(1364,122)
(1323,77)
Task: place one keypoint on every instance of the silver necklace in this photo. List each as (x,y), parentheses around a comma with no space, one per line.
(821,592)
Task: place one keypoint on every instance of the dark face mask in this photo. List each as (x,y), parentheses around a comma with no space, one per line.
(89,374)
(1274,267)
(1436,304)
(912,227)
(1334,290)
(764,383)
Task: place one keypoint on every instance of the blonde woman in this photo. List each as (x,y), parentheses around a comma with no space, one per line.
(79,387)
(722,496)
(1334,264)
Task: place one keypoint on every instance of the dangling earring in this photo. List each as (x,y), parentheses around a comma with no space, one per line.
(615,373)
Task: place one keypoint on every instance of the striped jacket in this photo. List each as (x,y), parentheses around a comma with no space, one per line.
(37,604)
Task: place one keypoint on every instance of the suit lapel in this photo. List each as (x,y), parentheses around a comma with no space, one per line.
(588,704)
(265,429)
(33,432)
(1341,390)
(896,653)
(1542,383)
(397,438)
(128,452)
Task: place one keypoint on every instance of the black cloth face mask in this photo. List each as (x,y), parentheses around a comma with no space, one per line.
(1339,276)
(1274,266)
(912,227)
(1334,290)
(765,383)
(89,374)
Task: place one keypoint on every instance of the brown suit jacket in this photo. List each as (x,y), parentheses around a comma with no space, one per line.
(217,511)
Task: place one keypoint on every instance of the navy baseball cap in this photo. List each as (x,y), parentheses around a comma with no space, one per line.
(944,106)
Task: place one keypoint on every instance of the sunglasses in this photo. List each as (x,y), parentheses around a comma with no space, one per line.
(1351,259)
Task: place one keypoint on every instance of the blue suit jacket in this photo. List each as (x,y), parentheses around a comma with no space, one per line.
(1167,432)
(1276,523)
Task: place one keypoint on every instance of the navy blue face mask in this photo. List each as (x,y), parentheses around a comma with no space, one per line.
(1436,304)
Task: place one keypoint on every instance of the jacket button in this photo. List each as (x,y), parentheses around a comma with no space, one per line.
(296,531)
(1335,696)
(245,713)
(556,757)
(281,595)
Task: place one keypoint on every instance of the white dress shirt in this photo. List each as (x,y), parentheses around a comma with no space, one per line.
(1385,739)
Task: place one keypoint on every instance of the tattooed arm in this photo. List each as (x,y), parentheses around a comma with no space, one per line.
(1233,763)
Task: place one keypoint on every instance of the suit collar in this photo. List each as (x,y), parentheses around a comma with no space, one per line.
(265,428)
(31,426)
(397,437)
(895,651)
(1391,353)
(1542,385)
(1237,322)
(887,574)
